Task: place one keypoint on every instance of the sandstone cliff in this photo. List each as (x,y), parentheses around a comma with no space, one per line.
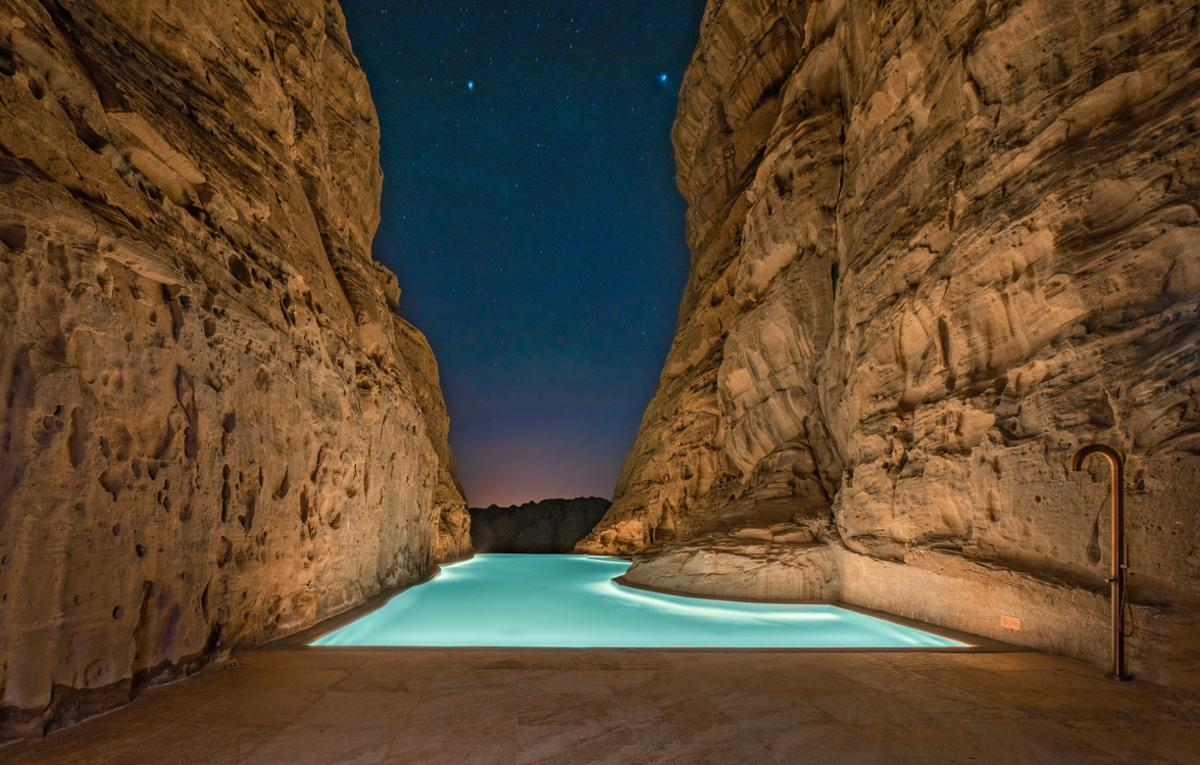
(213,428)
(936,246)
(546,526)
(453,540)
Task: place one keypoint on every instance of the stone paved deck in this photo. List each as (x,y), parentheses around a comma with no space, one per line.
(391,706)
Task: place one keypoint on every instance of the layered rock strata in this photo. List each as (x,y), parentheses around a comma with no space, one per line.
(936,246)
(546,526)
(214,430)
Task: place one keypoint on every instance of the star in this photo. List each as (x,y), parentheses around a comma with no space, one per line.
(519,204)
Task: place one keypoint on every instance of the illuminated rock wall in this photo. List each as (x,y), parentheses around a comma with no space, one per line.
(936,246)
(214,430)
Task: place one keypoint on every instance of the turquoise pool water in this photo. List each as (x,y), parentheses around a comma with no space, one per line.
(570,601)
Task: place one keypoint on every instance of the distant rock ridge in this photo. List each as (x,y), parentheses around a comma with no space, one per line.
(545,526)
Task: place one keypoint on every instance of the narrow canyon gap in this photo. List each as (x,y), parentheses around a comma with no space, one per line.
(531,214)
(214,429)
(936,246)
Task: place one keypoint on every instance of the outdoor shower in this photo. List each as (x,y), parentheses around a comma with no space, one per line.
(1117,580)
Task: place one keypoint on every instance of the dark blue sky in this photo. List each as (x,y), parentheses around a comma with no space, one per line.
(530,211)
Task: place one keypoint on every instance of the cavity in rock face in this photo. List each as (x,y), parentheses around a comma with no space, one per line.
(935,248)
(214,430)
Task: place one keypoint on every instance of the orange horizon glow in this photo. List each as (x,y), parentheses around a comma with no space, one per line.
(504,473)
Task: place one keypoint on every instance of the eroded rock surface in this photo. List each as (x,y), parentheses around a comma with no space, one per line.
(213,428)
(453,540)
(545,526)
(936,246)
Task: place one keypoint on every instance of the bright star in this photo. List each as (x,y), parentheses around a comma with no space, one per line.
(470,85)
(662,77)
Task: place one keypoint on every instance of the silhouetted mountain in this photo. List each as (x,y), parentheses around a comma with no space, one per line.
(547,526)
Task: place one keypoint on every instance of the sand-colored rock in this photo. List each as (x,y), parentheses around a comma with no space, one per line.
(738,567)
(214,429)
(453,541)
(937,246)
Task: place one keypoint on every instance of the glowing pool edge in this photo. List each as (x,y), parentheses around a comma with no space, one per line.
(307,638)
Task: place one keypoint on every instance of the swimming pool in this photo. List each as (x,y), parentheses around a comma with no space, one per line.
(570,601)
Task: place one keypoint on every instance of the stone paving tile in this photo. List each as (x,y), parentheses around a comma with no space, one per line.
(710,745)
(869,707)
(824,743)
(894,745)
(361,709)
(214,678)
(629,660)
(534,708)
(292,679)
(325,745)
(556,660)
(88,743)
(999,661)
(456,740)
(225,743)
(454,679)
(256,706)
(390,707)
(158,707)
(920,698)
(1064,695)
(441,709)
(647,682)
(1178,743)
(590,742)
(307,658)
(680,712)
(769,710)
(1050,742)
(580,681)
(387,677)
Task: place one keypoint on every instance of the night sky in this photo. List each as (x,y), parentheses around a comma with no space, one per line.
(530,211)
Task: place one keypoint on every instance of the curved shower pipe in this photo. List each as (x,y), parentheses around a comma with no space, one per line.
(1119,570)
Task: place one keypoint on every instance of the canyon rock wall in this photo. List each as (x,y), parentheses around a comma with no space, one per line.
(936,246)
(453,540)
(214,430)
(546,526)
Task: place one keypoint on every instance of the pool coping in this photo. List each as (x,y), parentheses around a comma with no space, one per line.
(302,639)
(975,643)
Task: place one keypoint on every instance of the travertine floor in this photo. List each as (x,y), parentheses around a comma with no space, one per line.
(319,706)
